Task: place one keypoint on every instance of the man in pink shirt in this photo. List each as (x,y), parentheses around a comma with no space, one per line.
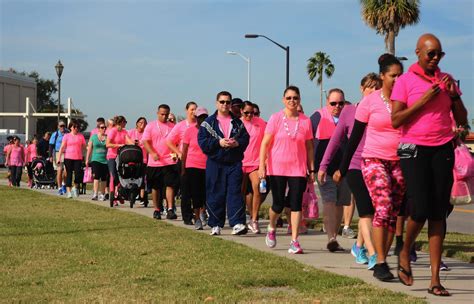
(175,143)
(162,171)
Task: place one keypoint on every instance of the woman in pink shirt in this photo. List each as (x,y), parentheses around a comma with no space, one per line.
(72,146)
(255,126)
(425,101)
(15,161)
(193,168)
(136,136)
(30,155)
(286,155)
(380,163)
(116,138)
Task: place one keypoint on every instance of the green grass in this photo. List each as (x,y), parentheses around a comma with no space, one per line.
(72,251)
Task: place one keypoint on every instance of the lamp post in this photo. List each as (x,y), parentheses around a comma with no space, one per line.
(59,71)
(248,69)
(286,49)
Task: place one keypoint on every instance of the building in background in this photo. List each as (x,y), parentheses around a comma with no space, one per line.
(14,89)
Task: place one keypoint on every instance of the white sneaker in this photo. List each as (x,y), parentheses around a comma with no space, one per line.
(74,192)
(216,230)
(68,195)
(239,229)
(101,197)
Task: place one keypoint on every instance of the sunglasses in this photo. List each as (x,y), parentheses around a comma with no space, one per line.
(249,113)
(102,127)
(292,98)
(433,54)
(62,126)
(256,113)
(337,103)
(227,102)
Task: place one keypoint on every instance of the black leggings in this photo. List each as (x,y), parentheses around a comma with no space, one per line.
(15,175)
(429,179)
(29,170)
(296,185)
(194,186)
(73,165)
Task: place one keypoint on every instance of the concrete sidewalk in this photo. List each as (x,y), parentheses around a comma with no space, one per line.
(459,280)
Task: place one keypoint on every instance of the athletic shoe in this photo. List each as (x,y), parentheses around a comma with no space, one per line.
(198,225)
(157,215)
(382,272)
(295,248)
(334,246)
(361,257)
(443,267)
(74,192)
(188,222)
(63,187)
(60,191)
(253,227)
(216,230)
(348,233)
(270,238)
(68,195)
(106,197)
(355,250)
(170,215)
(239,229)
(413,255)
(95,197)
(203,217)
(372,262)
(101,197)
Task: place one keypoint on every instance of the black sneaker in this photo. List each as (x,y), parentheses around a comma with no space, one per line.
(170,215)
(188,222)
(157,215)
(382,272)
(106,196)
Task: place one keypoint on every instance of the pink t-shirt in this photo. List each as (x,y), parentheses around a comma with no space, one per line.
(73,145)
(381,140)
(177,133)
(256,129)
(195,157)
(287,153)
(157,133)
(115,137)
(17,156)
(225,124)
(95,131)
(137,136)
(30,153)
(432,125)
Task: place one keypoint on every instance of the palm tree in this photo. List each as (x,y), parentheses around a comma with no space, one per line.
(317,65)
(388,16)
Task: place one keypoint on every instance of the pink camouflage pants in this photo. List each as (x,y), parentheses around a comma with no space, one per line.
(386,186)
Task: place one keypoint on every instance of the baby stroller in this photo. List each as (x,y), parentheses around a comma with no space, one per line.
(44,175)
(130,169)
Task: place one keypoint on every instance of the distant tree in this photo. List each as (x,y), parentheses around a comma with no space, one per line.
(318,65)
(387,17)
(45,102)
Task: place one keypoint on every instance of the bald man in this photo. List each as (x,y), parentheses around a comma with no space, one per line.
(423,100)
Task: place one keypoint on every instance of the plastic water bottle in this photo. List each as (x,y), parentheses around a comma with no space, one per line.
(263,186)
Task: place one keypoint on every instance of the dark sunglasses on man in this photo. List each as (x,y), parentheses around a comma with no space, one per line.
(337,103)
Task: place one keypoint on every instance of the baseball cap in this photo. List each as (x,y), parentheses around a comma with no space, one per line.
(200,111)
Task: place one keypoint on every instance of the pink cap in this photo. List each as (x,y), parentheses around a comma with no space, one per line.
(200,111)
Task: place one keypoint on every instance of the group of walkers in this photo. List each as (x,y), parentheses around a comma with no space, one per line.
(391,153)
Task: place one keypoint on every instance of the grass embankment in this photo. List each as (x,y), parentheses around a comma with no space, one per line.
(58,250)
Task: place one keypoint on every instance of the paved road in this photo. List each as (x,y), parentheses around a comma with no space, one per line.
(459,280)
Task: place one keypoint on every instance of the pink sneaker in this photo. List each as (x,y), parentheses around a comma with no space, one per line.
(270,239)
(295,248)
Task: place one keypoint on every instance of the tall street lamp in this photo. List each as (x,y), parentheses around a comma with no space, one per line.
(286,49)
(248,69)
(59,71)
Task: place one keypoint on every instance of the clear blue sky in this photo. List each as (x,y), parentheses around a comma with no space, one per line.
(127,57)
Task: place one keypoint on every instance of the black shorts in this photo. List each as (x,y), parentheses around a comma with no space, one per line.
(159,177)
(356,183)
(429,179)
(296,185)
(99,171)
(195,183)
